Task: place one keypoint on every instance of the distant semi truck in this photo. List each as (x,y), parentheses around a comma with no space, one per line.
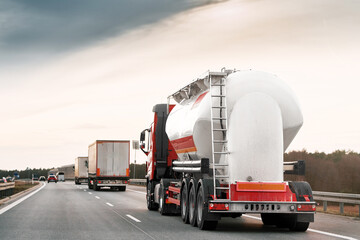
(81,170)
(109,162)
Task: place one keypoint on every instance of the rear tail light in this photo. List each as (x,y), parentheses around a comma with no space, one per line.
(125,182)
(306,208)
(99,181)
(219,206)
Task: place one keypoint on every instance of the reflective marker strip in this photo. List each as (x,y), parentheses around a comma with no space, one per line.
(312,230)
(135,219)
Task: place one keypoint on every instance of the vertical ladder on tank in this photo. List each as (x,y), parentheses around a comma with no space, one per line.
(219,124)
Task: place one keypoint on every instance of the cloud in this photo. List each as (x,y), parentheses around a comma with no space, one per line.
(32,30)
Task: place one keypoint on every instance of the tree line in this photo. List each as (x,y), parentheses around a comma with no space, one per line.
(338,171)
(27,173)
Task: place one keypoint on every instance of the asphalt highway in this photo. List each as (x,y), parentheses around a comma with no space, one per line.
(69,211)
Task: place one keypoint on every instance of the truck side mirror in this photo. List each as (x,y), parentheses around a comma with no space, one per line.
(142,136)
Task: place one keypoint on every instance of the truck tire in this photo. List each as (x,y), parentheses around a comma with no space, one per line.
(184,202)
(290,221)
(95,187)
(166,208)
(162,197)
(151,205)
(299,227)
(202,203)
(192,204)
(269,218)
(301,189)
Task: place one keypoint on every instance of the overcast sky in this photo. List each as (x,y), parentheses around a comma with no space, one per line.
(72,72)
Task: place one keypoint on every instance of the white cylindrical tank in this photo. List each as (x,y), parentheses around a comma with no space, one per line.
(263,118)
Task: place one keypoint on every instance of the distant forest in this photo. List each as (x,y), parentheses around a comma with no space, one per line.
(338,171)
(27,173)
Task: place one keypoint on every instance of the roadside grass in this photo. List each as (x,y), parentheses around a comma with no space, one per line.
(23,185)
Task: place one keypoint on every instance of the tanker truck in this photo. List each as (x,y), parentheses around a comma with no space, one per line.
(218,152)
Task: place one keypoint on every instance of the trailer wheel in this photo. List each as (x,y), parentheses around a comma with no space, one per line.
(89,184)
(162,197)
(95,187)
(202,211)
(184,203)
(151,205)
(192,205)
(290,221)
(269,218)
(299,227)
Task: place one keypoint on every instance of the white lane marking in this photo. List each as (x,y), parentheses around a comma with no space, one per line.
(136,191)
(331,234)
(84,190)
(20,200)
(130,222)
(253,217)
(133,218)
(312,230)
(97,197)
(90,193)
(109,204)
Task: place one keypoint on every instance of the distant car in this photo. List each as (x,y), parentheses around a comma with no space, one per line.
(52,178)
(42,178)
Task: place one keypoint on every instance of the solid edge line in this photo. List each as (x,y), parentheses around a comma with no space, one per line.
(20,200)
(331,234)
(133,218)
(313,230)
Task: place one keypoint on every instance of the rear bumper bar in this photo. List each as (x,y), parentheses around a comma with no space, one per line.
(110,184)
(265,207)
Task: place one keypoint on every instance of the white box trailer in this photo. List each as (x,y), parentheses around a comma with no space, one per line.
(81,170)
(109,162)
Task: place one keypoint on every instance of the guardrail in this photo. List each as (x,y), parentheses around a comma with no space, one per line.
(6,189)
(141,182)
(340,198)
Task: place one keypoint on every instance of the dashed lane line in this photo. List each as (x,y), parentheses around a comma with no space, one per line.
(90,193)
(312,230)
(133,218)
(109,204)
(97,197)
(133,224)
